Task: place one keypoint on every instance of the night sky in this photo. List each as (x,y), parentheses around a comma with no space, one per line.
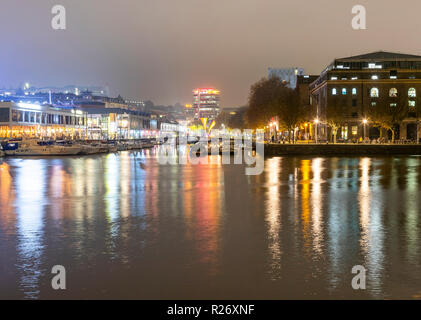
(162,49)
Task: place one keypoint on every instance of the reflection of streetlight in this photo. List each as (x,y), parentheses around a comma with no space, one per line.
(316,123)
(365,121)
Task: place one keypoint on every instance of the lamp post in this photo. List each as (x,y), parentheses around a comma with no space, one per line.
(365,123)
(316,122)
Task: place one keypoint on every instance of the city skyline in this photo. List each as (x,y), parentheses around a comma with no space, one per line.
(147,41)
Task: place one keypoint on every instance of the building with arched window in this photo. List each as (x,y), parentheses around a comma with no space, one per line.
(393,93)
(369,82)
(412,92)
(374,92)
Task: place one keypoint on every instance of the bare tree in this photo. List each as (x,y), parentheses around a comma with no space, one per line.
(334,118)
(386,112)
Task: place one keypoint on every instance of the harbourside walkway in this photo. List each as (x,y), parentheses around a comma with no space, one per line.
(273,149)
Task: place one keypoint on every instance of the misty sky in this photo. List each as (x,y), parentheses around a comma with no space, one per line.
(162,49)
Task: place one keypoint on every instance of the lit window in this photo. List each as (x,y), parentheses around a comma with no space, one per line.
(374,93)
(354,130)
(375,77)
(374,66)
(373,104)
(344,91)
(412,93)
(334,91)
(411,103)
(393,105)
(393,93)
(354,91)
(344,132)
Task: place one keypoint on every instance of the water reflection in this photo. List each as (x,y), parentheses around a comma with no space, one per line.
(208,231)
(273,217)
(30,187)
(316,196)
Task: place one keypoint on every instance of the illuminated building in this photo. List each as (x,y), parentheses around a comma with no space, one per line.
(46,121)
(116,123)
(206,103)
(289,75)
(357,85)
(31,120)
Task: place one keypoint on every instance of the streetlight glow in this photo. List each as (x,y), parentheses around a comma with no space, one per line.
(365,121)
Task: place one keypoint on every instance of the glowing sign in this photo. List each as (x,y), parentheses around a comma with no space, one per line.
(206,91)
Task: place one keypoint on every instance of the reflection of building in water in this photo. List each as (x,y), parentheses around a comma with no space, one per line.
(7,197)
(412,204)
(30,186)
(316,205)
(273,215)
(208,210)
(305,204)
(372,238)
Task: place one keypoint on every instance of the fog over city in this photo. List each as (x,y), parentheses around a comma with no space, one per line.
(160,50)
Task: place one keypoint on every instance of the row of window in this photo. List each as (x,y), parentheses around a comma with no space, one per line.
(344,91)
(373,77)
(374,92)
(411,103)
(46,118)
(393,75)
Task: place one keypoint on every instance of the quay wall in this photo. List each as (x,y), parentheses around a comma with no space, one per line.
(341,149)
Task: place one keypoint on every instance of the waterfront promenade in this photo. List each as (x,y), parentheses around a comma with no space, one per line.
(276,149)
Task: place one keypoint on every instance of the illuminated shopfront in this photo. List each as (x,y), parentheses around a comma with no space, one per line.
(32,120)
(116,123)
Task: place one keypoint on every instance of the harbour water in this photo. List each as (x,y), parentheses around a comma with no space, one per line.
(125,226)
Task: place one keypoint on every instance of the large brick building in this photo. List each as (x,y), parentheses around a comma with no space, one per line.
(355,85)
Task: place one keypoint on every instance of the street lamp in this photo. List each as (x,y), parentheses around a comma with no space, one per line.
(365,121)
(316,122)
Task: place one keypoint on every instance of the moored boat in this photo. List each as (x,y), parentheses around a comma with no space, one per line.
(88,149)
(32,147)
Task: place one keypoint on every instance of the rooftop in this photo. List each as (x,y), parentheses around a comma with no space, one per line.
(381,56)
